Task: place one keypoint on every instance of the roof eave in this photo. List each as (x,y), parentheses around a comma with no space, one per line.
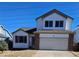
(43,16)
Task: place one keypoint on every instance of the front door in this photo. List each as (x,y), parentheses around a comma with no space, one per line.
(32,42)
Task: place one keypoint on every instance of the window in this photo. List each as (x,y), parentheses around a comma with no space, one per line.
(48,23)
(59,24)
(20,39)
(16,39)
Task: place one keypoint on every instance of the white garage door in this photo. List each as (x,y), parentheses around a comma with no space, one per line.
(55,43)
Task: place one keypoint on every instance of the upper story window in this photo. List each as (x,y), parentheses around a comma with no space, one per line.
(48,23)
(59,23)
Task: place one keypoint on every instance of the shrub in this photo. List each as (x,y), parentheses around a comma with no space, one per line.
(10,43)
(3,45)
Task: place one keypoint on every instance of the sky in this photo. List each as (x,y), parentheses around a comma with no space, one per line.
(14,15)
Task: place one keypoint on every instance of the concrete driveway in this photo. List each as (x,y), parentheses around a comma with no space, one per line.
(48,53)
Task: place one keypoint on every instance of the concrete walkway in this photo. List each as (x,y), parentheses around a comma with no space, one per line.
(48,53)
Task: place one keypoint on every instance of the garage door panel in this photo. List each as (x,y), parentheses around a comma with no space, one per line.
(52,43)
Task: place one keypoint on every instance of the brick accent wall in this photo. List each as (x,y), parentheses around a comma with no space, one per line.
(70,41)
(36,41)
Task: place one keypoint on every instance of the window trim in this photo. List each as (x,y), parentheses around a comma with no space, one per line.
(23,39)
(49,24)
(59,24)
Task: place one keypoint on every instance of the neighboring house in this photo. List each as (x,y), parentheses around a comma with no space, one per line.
(4,34)
(53,31)
(23,38)
(76,38)
(76,35)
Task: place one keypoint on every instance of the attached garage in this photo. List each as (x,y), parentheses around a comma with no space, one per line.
(54,41)
(59,40)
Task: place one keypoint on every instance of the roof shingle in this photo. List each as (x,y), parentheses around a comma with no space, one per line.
(54,11)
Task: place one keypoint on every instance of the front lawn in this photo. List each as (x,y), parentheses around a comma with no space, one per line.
(18,53)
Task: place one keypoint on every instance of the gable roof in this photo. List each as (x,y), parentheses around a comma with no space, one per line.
(27,30)
(77,28)
(54,11)
(5,31)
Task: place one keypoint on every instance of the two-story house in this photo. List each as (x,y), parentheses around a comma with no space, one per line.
(53,32)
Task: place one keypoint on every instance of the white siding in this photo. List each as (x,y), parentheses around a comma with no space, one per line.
(2,32)
(68,24)
(55,35)
(2,38)
(20,45)
(39,24)
(54,17)
(54,41)
(76,36)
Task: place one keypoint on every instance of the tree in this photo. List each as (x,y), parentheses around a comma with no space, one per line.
(3,46)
